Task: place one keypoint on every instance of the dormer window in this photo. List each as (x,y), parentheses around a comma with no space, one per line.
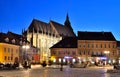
(7,39)
(20,42)
(13,41)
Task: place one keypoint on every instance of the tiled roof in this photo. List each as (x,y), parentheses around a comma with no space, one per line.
(49,28)
(62,30)
(41,27)
(68,42)
(10,37)
(106,36)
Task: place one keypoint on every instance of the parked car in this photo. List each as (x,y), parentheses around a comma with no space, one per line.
(1,65)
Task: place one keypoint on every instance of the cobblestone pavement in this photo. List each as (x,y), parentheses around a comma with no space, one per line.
(55,72)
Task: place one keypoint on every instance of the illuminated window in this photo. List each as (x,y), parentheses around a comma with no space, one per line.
(59,60)
(113,61)
(54,60)
(73,60)
(64,60)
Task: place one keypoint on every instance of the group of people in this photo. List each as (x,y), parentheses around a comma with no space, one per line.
(27,64)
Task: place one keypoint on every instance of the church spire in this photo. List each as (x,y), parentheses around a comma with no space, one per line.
(67,22)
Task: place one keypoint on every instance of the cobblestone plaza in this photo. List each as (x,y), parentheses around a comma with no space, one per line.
(55,72)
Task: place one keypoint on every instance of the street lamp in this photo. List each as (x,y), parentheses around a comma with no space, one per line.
(107,54)
(25,47)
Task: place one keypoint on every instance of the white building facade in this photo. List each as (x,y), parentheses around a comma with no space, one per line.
(44,35)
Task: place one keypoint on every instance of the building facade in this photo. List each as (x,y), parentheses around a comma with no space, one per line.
(8,53)
(15,47)
(93,47)
(65,51)
(118,48)
(9,49)
(44,35)
(100,47)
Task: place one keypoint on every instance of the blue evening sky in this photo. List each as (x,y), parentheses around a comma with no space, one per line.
(85,15)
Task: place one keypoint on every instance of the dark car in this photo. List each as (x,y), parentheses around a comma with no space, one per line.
(1,65)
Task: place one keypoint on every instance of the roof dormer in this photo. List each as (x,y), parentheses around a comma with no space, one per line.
(13,41)
(7,39)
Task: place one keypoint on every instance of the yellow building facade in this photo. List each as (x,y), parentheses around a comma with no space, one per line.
(8,52)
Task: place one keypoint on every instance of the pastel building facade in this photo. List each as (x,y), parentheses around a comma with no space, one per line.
(15,47)
(9,49)
(99,47)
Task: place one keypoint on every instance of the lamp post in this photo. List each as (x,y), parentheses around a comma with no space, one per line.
(25,48)
(107,54)
(26,57)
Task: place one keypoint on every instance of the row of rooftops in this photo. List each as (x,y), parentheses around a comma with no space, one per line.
(12,38)
(71,42)
(53,27)
(68,42)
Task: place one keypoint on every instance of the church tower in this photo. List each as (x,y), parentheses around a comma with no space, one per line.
(67,23)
